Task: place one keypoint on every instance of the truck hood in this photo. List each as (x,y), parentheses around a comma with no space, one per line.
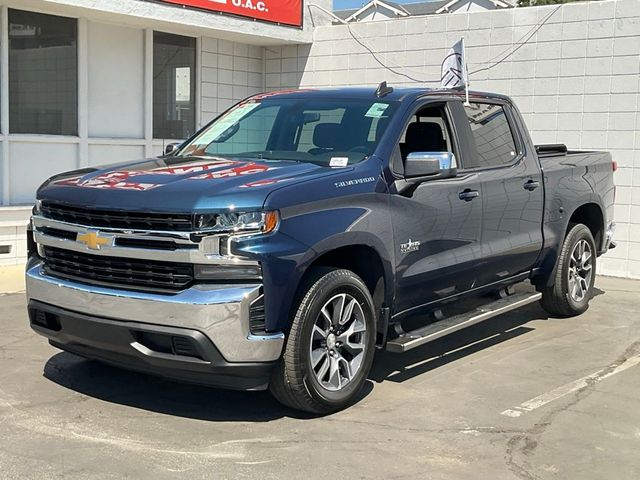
(184,184)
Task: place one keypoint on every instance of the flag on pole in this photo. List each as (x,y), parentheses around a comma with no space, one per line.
(453,71)
(454,68)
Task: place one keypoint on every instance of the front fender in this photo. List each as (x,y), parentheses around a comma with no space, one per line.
(308,231)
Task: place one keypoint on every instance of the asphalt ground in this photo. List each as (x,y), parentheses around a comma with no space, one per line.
(521,396)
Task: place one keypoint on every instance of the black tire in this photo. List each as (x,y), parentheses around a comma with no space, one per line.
(294,383)
(557,299)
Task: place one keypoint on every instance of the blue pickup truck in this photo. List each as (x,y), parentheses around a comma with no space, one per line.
(301,230)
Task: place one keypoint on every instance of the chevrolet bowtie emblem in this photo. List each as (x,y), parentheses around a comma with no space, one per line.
(93,240)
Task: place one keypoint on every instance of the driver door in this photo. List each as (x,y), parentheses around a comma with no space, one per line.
(438,222)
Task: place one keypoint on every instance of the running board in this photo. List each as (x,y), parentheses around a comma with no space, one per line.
(444,327)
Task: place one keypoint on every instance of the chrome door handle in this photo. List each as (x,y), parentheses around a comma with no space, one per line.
(467,195)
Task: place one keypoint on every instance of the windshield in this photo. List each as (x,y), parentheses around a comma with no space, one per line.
(327,132)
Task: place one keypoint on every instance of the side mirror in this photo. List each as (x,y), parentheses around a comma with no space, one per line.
(430,164)
(171,148)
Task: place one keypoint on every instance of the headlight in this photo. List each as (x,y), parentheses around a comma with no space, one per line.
(258,222)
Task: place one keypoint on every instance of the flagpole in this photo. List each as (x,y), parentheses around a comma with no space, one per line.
(466,73)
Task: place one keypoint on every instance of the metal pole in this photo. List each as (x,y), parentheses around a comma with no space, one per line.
(465,73)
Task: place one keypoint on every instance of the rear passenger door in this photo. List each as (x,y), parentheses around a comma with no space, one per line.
(512,191)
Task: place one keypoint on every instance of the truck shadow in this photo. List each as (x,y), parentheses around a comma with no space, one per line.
(159,395)
(395,367)
(155,394)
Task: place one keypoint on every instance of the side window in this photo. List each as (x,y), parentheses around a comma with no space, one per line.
(427,131)
(492,134)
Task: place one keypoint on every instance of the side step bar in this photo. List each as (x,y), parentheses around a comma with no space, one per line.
(444,327)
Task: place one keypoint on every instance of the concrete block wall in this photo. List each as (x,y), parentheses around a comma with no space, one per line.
(230,72)
(576,79)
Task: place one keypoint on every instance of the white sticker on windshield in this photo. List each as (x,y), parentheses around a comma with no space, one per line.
(339,161)
(377,110)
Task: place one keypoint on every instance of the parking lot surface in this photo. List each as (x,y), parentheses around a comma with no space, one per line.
(521,396)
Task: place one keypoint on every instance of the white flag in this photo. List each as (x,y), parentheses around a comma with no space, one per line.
(454,71)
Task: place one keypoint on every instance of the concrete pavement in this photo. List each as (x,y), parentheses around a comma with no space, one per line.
(437,412)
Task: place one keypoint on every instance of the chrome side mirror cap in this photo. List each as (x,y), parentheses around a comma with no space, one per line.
(430,164)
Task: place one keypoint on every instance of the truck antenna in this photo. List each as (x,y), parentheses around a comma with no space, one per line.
(383,90)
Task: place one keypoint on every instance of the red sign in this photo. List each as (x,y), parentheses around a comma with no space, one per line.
(288,12)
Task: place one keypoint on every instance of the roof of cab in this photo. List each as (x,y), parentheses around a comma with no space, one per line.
(398,93)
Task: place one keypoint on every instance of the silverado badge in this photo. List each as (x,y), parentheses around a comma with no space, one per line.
(94,240)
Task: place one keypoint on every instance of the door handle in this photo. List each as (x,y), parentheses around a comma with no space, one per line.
(531,185)
(467,195)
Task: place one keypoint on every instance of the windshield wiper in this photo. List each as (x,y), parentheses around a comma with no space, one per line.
(263,156)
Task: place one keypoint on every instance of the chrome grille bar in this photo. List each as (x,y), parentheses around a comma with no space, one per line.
(179,247)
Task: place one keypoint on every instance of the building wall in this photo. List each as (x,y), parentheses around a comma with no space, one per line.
(576,80)
(230,71)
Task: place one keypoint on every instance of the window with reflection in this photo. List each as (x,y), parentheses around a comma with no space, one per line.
(174,86)
(492,134)
(43,74)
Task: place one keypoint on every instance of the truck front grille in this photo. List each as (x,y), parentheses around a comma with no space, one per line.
(115,271)
(117,219)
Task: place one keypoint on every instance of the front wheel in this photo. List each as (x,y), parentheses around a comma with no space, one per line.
(575,275)
(330,347)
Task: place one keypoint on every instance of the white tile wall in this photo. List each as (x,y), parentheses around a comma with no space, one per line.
(230,72)
(576,81)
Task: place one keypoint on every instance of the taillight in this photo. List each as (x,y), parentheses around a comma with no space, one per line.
(614,165)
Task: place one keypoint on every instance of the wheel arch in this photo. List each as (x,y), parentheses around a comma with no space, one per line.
(366,262)
(591,215)
(588,213)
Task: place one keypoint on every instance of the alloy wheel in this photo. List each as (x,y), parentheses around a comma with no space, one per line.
(580,270)
(338,342)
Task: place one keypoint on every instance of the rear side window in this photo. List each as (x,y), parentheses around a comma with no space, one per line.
(492,134)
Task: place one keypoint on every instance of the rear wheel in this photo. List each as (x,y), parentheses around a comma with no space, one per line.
(330,347)
(575,275)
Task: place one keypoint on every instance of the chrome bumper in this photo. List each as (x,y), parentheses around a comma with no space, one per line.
(221,312)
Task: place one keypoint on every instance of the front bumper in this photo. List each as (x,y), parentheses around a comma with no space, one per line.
(106,324)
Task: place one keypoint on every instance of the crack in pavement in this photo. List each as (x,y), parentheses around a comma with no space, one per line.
(525,444)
